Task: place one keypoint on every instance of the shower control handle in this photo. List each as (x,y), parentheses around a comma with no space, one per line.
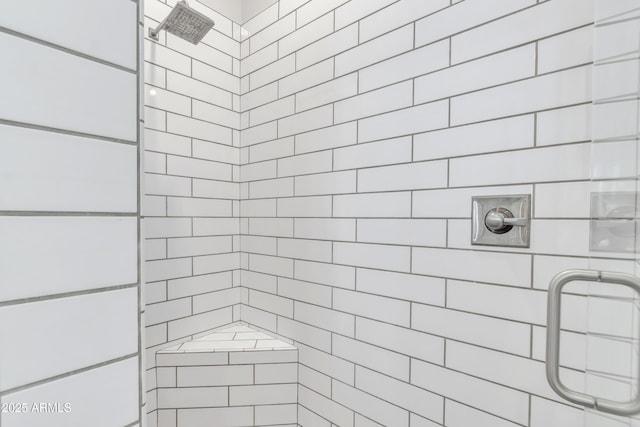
(501,220)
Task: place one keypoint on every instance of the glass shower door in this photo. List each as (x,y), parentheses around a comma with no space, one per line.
(612,314)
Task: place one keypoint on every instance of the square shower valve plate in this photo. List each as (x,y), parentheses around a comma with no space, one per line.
(518,206)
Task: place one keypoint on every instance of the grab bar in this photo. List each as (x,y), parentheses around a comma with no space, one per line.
(553,340)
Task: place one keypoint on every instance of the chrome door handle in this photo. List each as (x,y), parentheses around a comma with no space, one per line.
(553,340)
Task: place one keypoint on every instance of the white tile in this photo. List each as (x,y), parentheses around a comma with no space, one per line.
(417,119)
(460,416)
(167,185)
(155,162)
(167,310)
(325,93)
(184,166)
(271,303)
(71,254)
(271,265)
(336,413)
(192,397)
(327,47)
(167,100)
(266,356)
(489,71)
(549,91)
(325,318)
(305,207)
(153,206)
(405,66)
(216,189)
(118,388)
(306,121)
(201,417)
(272,33)
(198,90)
(181,328)
(326,183)
(260,318)
(198,246)
(313,250)
(275,71)
(213,113)
(534,165)
(394,258)
(411,232)
(326,274)
(155,75)
(198,129)
(166,58)
(311,10)
(46,171)
(167,227)
(405,341)
(182,206)
(545,413)
(305,34)
(108,109)
(272,111)
(215,77)
(379,410)
(209,376)
(354,10)
(260,96)
(276,373)
(428,290)
(614,80)
(216,263)
(306,334)
(325,228)
(566,50)
(258,208)
(396,15)
(399,393)
(305,164)
(372,205)
(304,291)
(375,102)
(306,78)
(614,120)
(512,337)
(614,42)
(281,227)
(280,414)
(195,285)
(109,335)
(500,268)
(155,119)
(373,154)
(563,125)
(525,305)
(166,143)
(463,16)
(91,35)
(259,281)
(497,135)
(404,177)
(281,187)
(493,398)
(201,52)
(259,245)
(456,203)
(388,45)
(542,20)
(329,137)
(376,358)
(373,307)
(275,149)
(260,170)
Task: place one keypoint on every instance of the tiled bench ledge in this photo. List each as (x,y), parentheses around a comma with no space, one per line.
(236,376)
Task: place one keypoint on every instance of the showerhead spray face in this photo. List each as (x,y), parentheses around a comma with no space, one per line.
(184,22)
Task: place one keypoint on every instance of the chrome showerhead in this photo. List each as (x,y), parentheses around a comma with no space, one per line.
(185,23)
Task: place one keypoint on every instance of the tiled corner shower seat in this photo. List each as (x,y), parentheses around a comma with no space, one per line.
(236,376)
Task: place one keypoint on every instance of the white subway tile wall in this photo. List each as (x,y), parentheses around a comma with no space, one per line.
(192,154)
(389,116)
(70,304)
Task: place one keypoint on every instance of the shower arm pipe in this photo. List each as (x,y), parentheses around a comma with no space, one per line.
(154,33)
(553,340)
